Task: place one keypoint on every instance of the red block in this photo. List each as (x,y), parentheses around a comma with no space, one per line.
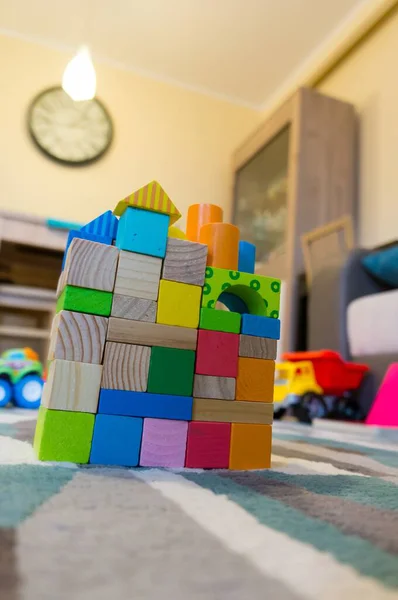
(217,353)
(208,445)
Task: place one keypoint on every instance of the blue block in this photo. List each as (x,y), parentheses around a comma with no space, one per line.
(116,441)
(266,327)
(91,237)
(105,225)
(247,257)
(144,404)
(143,231)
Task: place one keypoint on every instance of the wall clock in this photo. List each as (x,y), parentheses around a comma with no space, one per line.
(74,133)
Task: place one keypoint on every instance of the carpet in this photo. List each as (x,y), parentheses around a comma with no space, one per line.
(322,524)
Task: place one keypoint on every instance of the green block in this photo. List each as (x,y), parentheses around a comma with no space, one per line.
(171,371)
(219,320)
(63,436)
(260,294)
(84,300)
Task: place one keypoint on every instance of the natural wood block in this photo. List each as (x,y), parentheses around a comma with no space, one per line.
(151,334)
(78,337)
(217,353)
(138,275)
(207,386)
(63,436)
(61,284)
(250,446)
(178,304)
(136,309)
(84,235)
(171,371)
(72,386)
(85,301)
(185,261)
(255,381)
(91,265)
(251,346)
(208,445)
(225,411)
(125,367)
(163,443)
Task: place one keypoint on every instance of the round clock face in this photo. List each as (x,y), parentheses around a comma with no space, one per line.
(71,132)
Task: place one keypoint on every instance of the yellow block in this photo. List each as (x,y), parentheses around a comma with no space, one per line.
(179,304)
(174,232)
(250,446)
(150,197)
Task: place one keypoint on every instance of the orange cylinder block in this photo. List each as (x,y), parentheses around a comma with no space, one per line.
(222,240)
(199,215)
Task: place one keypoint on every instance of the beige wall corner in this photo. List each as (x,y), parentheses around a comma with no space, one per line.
(183,139)
(367,78)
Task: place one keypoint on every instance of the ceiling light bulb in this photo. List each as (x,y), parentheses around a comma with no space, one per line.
(79,80)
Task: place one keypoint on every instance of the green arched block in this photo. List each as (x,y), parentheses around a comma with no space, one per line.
(260,294)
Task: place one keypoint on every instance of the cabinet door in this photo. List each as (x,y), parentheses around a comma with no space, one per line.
(260,203)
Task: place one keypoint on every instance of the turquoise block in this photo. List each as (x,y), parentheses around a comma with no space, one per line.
(266,327)
(247,257)
(143,231)
(83,235)
(65,225)
(116,441)
(105,225)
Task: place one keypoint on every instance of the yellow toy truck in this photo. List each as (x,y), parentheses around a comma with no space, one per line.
(307,385)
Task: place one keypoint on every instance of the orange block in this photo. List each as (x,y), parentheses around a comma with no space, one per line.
(199,215)
(250,446)
(255,381)
(222,240)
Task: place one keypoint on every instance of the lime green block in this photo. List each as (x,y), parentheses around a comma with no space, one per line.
(63,436)
(219,320)
(85,300)
(260,294)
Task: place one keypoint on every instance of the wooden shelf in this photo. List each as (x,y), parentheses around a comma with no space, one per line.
(31,255)
(25,298)
(24,332)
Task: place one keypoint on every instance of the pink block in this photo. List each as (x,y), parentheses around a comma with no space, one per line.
(384,411)
(163,443)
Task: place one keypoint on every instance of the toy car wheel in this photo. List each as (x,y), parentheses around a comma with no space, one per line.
(28,391)
(279,413)
(315,405)
(5,392)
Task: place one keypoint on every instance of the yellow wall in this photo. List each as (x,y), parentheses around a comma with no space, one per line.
(183,139)
(368,79)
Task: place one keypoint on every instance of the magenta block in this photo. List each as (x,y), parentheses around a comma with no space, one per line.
(164,443)
(384,411)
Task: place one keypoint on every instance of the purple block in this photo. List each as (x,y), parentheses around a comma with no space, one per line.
(164,443)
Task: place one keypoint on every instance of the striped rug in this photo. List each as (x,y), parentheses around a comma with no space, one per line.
(322,524)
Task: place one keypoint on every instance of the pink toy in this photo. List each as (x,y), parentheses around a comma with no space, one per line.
(384,411)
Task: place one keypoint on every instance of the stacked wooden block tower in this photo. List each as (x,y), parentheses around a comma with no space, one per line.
(147,367)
